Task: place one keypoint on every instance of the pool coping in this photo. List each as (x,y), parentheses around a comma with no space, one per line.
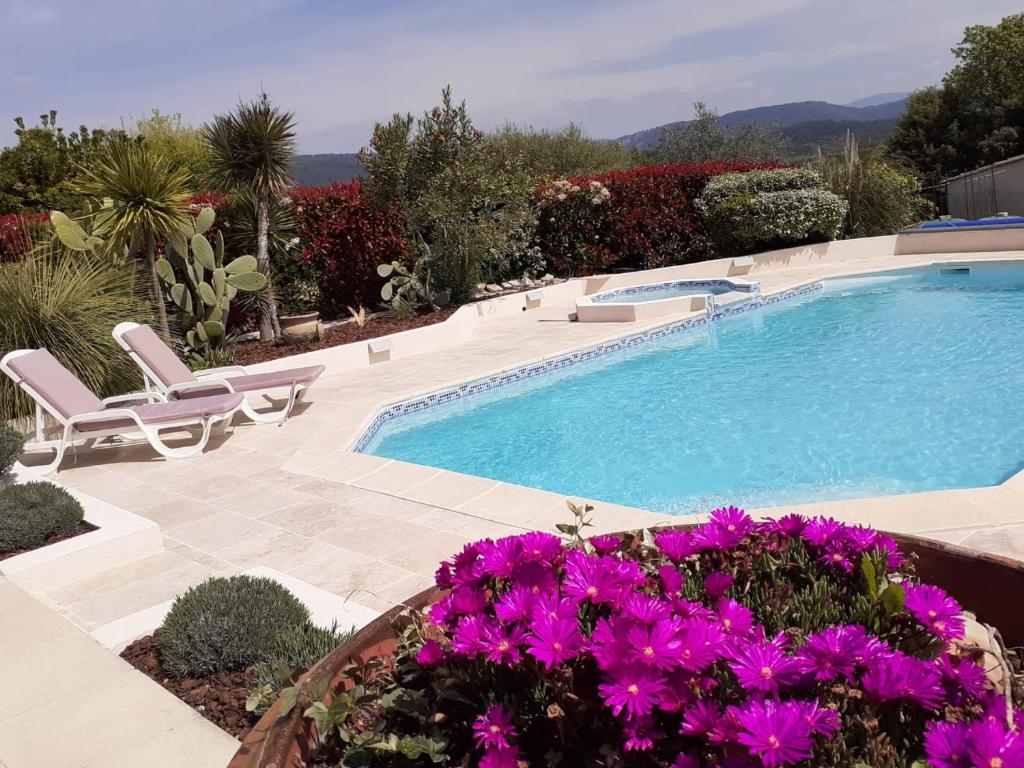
(431,485)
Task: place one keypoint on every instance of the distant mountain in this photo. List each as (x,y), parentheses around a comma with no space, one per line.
(321,170)
(829,135)
(786,116)
(879,98)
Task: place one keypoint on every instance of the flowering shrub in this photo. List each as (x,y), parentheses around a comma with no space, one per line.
(639,219)
(768,209)
(16,234)
(789,642)
(343,238)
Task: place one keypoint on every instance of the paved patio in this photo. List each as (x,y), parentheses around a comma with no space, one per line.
(290,497)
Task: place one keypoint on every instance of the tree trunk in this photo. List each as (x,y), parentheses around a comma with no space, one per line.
(268,311)
(154,288)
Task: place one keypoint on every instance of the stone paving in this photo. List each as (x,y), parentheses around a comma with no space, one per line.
(290,497)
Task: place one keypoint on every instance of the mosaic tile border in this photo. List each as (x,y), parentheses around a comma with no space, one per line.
(506,378)
(609,297)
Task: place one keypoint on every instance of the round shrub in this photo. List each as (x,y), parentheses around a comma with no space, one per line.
(729,185)
(777,219)
(227,624)
(32,512)
(12,443)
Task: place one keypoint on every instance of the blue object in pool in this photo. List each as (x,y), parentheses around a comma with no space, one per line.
(995,221)
(873,386)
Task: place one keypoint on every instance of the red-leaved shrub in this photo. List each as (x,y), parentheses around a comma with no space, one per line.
(344,238)
(642,218)
(15,234)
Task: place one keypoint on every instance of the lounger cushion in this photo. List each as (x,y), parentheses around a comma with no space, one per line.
(54,383)
(157,356)
(166,413)
(254,382)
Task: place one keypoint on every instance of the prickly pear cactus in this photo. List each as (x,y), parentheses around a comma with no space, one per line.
(200,285)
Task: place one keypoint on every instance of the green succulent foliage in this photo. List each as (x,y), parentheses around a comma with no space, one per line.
(227,624)
(200,285)
(404,287)
(32,512)
(12,443)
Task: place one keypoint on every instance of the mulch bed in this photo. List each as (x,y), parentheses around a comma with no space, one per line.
(78,530)
(219,698)
(249,352)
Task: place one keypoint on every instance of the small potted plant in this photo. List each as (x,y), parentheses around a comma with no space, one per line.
(299,318)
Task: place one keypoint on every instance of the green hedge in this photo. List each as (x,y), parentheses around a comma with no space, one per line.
(32,512)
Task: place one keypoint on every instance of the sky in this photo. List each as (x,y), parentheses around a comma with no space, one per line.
(341,65)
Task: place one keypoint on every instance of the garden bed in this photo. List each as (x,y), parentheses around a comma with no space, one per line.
(220,698)
(78,530)
(251,352)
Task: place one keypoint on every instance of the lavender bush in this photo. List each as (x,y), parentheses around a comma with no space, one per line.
(792,642)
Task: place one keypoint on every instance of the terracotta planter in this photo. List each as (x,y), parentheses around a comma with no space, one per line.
(301,327)
(987,584)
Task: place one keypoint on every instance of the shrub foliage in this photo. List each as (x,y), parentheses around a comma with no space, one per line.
(12,443)
(227,624)
(32,512)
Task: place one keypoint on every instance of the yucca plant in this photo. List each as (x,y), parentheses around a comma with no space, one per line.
(68,305)
(144,196)
(252,149)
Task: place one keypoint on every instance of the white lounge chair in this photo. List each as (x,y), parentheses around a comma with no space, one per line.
(82,415)
(163,371)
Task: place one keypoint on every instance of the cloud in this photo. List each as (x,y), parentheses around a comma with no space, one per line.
(615,66)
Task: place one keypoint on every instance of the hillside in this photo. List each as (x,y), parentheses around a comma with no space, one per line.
(809,116)
(321,170)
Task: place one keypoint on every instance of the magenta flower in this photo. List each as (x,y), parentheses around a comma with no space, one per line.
(835,556)
(717,584)
(466,567)
(634,690)
(468,600)
(685,761)
(468,638)
(788,525)
(701,718)
(822,720)
(735,619)
(639,734)
(500,758)
(991,744)
(607,643)
(700,645)
(502,644)
(945,745)
(645,609)
(677,545)
(430,654)
(656,645)
(494,730)
(690,610)
(591,578)
(935,610)
(540,547)
(515,605)
(553,641)
(763,667)
(606,544)
(820,531)
(778,733)
(733,520)
(503,557)
(679,693)
(442,613)
(962,677)
(831,653)
(898,676)
(671,579)
(551,605)
(538,578)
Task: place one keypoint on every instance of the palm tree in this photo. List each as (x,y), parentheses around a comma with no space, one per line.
(252,148)
(144,196)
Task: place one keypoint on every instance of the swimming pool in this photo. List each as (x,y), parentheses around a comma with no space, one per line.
(670,290)
(872,386)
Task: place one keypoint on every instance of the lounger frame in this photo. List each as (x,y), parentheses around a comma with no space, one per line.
(211,377)
(69,433)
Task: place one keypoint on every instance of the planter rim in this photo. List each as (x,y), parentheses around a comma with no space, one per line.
(276,742)
(300,317)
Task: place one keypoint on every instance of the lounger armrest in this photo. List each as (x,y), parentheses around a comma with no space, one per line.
(220,371)
(149,397)
(176,389)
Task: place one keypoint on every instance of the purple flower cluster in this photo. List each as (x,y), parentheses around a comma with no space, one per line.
(679,658)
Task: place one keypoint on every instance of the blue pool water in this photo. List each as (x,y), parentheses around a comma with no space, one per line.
(667,291)
(869,387)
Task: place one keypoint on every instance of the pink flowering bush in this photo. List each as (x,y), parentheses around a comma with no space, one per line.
(795,642)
